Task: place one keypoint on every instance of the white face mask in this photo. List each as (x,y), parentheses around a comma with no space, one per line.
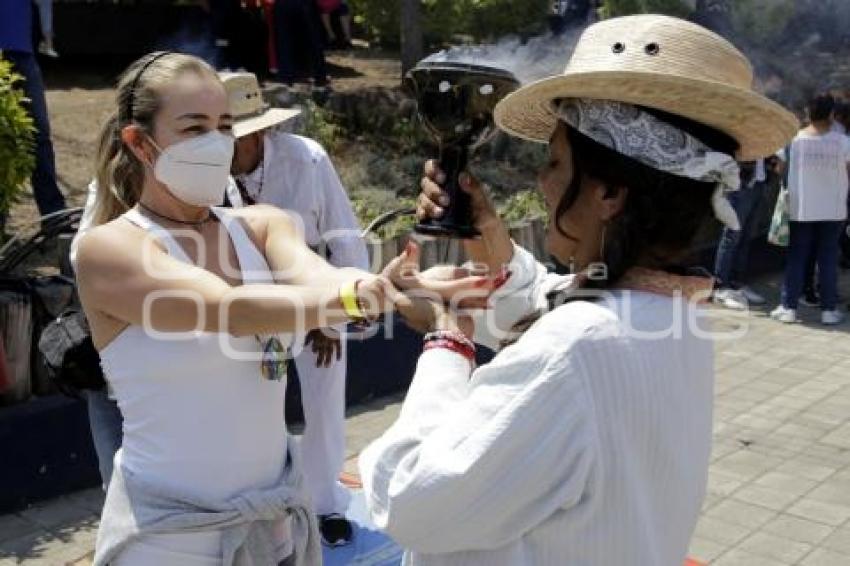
(196,170)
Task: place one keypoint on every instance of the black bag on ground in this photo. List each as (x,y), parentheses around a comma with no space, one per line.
(69,353)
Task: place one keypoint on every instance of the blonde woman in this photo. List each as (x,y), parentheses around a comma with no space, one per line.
(586,440)
(193,309)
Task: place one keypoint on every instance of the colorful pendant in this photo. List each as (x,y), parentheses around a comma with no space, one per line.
(275,359)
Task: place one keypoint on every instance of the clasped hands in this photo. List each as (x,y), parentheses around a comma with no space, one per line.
(440,297)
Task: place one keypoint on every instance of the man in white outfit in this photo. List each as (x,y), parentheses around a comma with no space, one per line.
(295,173)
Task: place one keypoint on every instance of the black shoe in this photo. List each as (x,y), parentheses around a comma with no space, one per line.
(810,299)
(335,529)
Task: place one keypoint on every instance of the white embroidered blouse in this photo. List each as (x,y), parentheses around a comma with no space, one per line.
(585,443)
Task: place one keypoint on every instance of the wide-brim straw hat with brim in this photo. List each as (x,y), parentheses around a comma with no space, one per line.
(245,101)
(659,62)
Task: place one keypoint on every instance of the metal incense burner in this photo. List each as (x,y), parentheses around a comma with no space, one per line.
(455,102)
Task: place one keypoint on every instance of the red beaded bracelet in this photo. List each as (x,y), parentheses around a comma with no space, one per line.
(450,335)
(452,345)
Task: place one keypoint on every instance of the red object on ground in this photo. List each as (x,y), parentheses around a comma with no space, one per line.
(690,562)
(5,381)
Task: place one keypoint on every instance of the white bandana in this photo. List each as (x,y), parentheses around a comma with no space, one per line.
(637,134)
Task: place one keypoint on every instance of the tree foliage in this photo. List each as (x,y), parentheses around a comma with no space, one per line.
(680,8)
(444,20)
(755,20)
(761,20)
(17,137)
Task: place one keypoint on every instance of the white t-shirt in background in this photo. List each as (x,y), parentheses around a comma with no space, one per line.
(818,177)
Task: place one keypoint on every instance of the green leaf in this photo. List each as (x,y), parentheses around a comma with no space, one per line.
(17,137)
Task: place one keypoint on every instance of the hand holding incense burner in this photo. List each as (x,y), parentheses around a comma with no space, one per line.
(455,102)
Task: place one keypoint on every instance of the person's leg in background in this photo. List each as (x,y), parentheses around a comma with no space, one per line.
(343,16)
(844,242)
(810,297)
(316,44)
(726,249)
(729,248)
(329,30)
(223,15)
(45,188)
(724,295)
(45,18)
(285,29)
(799,248)
(748,213)
(323,443)
(826,235)
(107,434)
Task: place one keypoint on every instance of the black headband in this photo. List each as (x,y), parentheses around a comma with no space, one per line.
(138,76)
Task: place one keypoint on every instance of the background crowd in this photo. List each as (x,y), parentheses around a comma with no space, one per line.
(809,218)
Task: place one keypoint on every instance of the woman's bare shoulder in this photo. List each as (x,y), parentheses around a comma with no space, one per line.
(112,242)
(265,212)
(260,218)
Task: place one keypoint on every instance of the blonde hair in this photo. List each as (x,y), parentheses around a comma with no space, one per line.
(119,173)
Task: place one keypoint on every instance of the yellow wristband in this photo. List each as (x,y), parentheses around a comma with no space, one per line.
(348,298)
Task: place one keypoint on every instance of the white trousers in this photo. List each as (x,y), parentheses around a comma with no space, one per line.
(323,443)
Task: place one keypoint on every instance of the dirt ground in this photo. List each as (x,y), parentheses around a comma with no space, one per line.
(80,95)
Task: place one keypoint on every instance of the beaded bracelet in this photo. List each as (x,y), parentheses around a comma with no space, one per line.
(450,335)
(457,347)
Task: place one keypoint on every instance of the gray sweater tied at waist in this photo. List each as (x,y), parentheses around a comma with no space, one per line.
(136,507)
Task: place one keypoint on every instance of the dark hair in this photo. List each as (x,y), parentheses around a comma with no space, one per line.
(661,216)
(842,110)
(820,107)
(662,213)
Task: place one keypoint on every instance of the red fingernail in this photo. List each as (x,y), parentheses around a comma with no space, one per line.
(483,282)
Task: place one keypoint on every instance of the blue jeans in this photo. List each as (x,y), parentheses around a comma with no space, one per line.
(44,186)
(734,247)
(823,237)
(107,434)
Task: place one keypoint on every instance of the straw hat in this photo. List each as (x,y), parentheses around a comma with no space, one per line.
(245,99)
(663,63)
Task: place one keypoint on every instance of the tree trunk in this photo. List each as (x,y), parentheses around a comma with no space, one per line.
(411,34)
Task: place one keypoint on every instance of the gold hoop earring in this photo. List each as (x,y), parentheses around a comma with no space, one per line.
(602,243)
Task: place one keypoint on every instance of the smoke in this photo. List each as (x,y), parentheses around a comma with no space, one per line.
(797,47)
(529,60)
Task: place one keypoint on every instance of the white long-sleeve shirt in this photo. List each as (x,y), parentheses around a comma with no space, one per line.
(585,443)
(297,175)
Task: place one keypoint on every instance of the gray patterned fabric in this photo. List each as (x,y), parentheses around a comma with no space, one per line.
(634,133)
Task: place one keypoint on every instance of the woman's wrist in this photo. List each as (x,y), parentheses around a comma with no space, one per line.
(361,301)
(451,340)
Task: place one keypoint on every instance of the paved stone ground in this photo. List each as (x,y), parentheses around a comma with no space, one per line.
(779,484)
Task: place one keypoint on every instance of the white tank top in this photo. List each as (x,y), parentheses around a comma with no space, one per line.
(195,416)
